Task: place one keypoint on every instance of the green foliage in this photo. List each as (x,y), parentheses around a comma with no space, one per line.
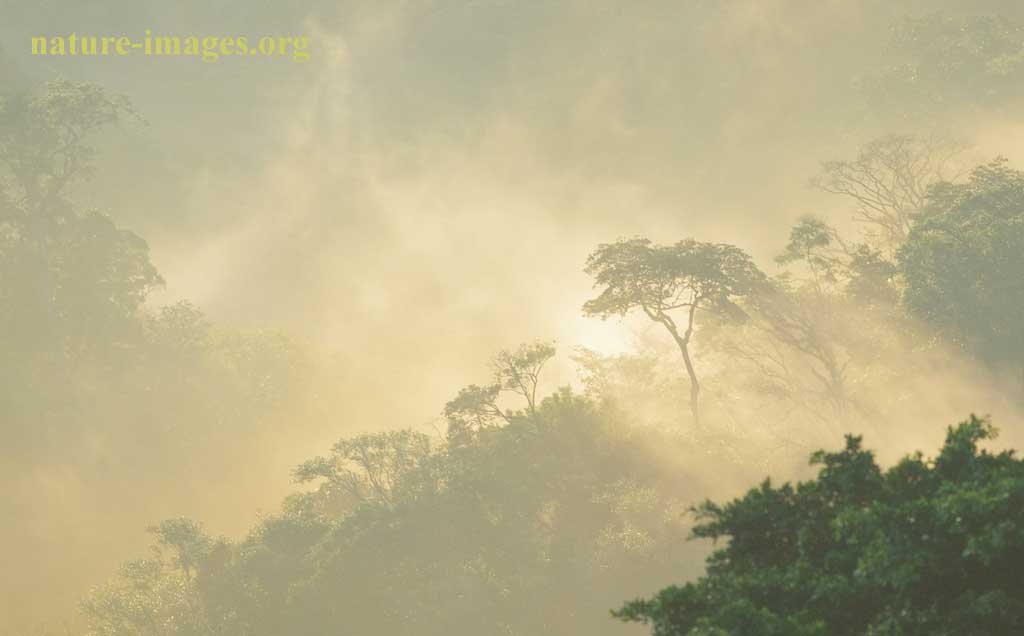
(926,548)
(368,468)
(940,61)
(119,407)
(962,263)
(530,528)
(833,266)
(474,409)
(69,279)
(82,357)
(75,285)
(149,596)
(534,519)
(185,538)
(817,246)
(871,277)
(44,138)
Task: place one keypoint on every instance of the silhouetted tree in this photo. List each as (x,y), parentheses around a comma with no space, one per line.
(687,277)
(476,408)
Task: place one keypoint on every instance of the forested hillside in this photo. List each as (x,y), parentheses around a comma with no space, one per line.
(375,391)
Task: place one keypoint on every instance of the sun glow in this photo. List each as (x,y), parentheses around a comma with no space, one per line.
(607,337)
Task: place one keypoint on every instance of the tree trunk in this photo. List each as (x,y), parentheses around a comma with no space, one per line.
(683,342)
(694,385)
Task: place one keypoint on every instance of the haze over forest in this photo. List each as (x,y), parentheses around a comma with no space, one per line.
(443,330)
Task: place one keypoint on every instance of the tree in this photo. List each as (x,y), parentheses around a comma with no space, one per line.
(69,278)
(820,248)
(688,277)
(797,320)
(367,468)
(937,62)
(963,263)
(510,524)
(888,181)
(926,548)
(96,388)
(650,387)
(476,408)
(803,316)
(519,371)
(161,595)
(807,308)
(44,138)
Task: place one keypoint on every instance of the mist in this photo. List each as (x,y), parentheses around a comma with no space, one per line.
(345,243)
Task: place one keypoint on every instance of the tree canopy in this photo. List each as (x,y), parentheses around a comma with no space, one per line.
(534,527)
(660,280)
(963,262)
(925,548)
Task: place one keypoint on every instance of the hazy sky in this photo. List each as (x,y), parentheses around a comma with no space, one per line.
(407,189)
(434,161)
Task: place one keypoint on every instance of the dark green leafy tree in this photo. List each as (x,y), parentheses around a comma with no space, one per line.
(926,548)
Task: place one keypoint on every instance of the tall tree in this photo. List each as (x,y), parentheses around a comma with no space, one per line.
(519,371)
(665,280)
(803,315)
(45,135)
(888,182)
(69,277)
